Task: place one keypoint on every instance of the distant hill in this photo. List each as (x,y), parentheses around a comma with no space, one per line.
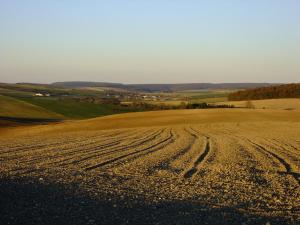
(272,92)
(30,89)
(161,87)
(79,84)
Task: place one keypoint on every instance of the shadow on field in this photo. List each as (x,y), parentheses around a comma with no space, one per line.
(15,121)
(27,202)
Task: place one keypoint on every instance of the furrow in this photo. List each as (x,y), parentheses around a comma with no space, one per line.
(69,145)
(123,147)
(130,154)
(81,149)
(295,151)
(53,144)
(171,157)
(283,162)
(192,171)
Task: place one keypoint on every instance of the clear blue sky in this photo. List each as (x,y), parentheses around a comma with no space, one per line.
(157,41)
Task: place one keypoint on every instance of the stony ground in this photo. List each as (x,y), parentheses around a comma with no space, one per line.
(215,173)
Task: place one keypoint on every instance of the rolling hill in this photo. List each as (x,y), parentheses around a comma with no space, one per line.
(283,103)
(11,107)
(229,166)
(160,87)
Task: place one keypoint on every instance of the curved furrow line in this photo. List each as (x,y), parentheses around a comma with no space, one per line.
(200,133)
(122,147)
(294,147)
(271,155)
(18,154)
(250,162)
(156,148)
(77,151)
(247,140)
(275,160)
(31,148)
(40,163)
(208,135)
(44,152)
(283,162)
(51,157)
(19,145)
(192,171)
(184,150)
(279,143)
(67,145)
(55,143)
(166,164)
(193,133)
(68,150)
(286,152)
(147,150)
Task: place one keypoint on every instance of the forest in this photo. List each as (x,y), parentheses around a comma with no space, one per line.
(280,91)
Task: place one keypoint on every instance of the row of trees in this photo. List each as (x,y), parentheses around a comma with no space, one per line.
(281,91)
(183,105)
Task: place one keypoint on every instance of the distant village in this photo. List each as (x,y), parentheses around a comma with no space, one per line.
(42,95)
(111,97)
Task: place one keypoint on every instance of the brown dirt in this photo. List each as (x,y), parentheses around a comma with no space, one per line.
(245,172)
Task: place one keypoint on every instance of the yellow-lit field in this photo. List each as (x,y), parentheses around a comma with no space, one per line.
(287,104)
(225,164)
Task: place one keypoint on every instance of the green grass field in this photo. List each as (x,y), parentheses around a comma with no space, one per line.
(12,107)
(205,94)
(18,100)
(75,110)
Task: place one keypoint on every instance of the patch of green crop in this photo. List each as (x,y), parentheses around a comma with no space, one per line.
(76,110)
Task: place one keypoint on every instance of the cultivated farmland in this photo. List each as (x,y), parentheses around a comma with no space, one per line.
(286,103)
(228,166)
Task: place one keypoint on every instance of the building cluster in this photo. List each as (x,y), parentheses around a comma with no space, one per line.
(42,94)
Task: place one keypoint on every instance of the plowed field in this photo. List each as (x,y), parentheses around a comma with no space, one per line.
(187,173)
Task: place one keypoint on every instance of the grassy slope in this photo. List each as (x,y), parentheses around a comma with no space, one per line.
(27,90)
(14,93)
(12,107)
(75,110)
(67,108)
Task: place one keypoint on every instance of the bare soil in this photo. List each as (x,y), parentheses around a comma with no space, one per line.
(205,173)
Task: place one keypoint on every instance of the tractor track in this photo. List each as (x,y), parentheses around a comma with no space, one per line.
(192,171)
(134,144)
(166,164)
(80,152)
(54,144)
(132,153)
(282,161)
(61,150)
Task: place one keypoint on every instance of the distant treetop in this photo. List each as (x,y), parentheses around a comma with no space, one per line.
(280,91)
